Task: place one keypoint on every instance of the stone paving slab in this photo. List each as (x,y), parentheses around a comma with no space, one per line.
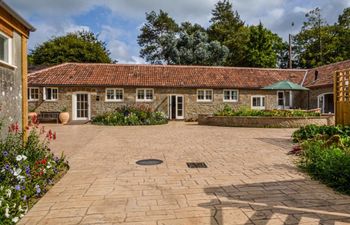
(250,179)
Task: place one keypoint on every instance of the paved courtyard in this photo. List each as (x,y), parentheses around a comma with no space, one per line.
(250,179)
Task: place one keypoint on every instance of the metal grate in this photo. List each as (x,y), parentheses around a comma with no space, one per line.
(196,165)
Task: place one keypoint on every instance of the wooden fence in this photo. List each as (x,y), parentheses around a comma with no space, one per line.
(342,97)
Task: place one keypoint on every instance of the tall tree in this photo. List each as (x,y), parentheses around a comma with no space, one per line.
(157,37)
(81,46)
(263,48)
(228,29)
(316,41)
(343,34)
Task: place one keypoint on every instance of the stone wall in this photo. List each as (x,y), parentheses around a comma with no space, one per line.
(314,93)
(277,122)
(11,88)
(192,107)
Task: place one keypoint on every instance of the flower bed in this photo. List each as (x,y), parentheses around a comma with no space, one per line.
(27,170)
(244,111)
(325,154)
(131,116)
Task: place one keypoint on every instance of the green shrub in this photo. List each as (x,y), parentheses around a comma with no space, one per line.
(131,116)
(246,111)
(312,131)
(26,171)
(328,162)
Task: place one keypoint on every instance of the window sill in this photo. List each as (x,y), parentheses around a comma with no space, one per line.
(33,100)
(50,100)
(144,100)
(7,65)
(205,101)
(114,100)
(230,101)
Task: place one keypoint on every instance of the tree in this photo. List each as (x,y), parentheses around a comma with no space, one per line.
(228,29)
(196,49)
(157,37)
(315,43)
(263,48)
(343,34)
(80,46)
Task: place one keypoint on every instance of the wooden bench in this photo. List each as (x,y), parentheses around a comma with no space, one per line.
(49,116)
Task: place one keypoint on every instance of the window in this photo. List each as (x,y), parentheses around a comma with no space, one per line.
(51,94)
(33,94)
(144,95)
(284,99)
(230,95)
(258,102)
(114,95)
(204,95)
(5,48)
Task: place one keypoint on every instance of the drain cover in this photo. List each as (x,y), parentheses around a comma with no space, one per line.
(196,165)
(149,162)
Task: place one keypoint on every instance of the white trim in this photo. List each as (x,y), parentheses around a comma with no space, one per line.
(258,107)
(30,94)
(206,100)
(9,61)
(74,105)
(230,100)
(284,106)
(50,100)
(114,90)
(144,95)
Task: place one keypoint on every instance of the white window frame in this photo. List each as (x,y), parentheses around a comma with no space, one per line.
(114,93)
(284,106)
(231,99)
(205,95)
(258,107)
(144,95)
(44,94)
(30,94)
(9,50)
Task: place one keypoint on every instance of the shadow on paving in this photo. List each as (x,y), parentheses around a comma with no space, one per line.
(279,142)
(290,202)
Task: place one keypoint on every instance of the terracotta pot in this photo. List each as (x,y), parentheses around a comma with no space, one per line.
(64,117)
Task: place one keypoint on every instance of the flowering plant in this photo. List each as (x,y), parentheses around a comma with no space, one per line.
(26,170)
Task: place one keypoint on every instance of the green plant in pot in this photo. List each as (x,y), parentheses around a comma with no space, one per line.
(64,115)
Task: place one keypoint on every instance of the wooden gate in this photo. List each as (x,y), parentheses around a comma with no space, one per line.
(342,97)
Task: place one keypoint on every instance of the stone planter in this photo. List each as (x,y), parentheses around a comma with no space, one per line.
(64,117)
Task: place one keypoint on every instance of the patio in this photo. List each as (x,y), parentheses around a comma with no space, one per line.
(249,179)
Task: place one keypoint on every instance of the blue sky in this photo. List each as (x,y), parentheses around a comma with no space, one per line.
(118,21)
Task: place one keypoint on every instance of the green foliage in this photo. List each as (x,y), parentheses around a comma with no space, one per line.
(246,111)
(328,162)
(312,131)
(319,43)
(26,171)
(131,116)
(81,46)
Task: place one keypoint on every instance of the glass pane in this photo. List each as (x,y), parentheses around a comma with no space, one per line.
(255,102)
(110,94)
(208,95)
(140,94)
(119,94)
(54,94)
(200,95)
(234,95)
(263,101)
(287,99)
(3,49)
(227,95)
(149,94)
(48,93)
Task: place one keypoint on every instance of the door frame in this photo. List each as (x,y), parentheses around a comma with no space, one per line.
(284,100)
(323,101)
(176,107)
(74,105)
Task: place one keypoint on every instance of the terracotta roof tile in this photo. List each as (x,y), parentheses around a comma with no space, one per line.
(76,74)
(325,74)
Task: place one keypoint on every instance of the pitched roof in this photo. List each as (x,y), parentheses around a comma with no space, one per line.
(325,74)
(77,74)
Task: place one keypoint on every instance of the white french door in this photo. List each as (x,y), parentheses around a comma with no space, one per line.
(81,106)
(176,107)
